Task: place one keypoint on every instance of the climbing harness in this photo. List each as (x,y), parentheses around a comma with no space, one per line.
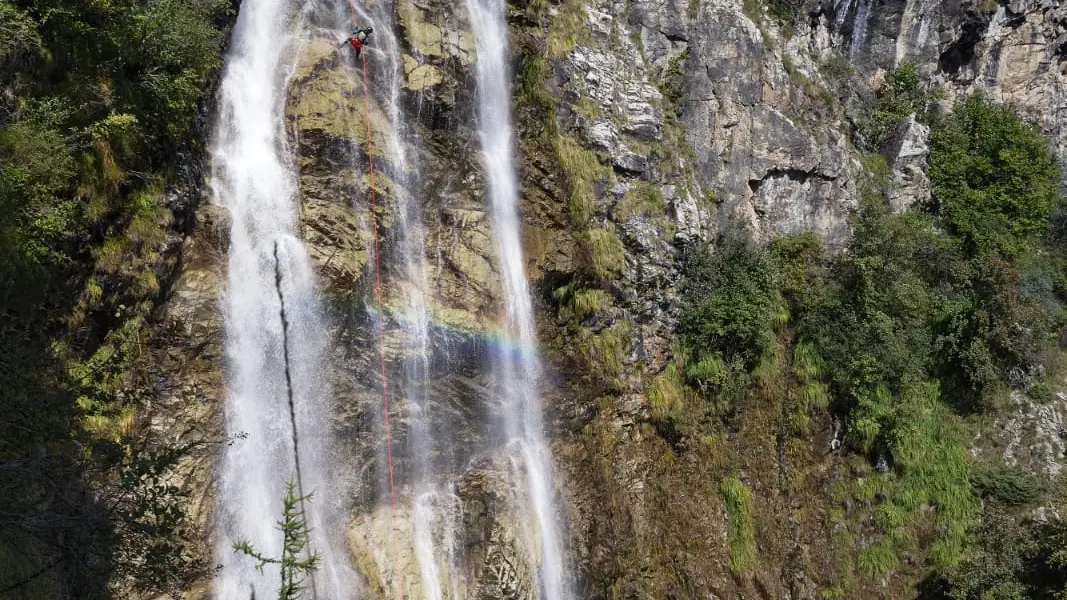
(381,326)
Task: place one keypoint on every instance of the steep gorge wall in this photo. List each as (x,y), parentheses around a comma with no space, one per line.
(687,120)
(769,132)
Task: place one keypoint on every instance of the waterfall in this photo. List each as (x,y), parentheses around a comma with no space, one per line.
(275,338)
(517,371)
(859,29)
(433,531)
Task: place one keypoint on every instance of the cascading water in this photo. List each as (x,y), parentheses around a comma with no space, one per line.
(275,340)
(859,28)
(433,531)
(519,371)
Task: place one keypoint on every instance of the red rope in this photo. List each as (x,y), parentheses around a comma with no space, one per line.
(381,326)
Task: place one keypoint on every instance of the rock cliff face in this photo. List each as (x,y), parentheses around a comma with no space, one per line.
(670,121)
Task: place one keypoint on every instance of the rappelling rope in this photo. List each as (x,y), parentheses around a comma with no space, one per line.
(381,326)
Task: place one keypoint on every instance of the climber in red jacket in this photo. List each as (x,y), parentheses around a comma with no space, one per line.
(360,38)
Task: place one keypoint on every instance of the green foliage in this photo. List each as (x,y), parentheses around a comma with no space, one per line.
(587,108)
(1008,486)
(158,552)
(568,29)
(1012,560)
(98,96)
(931,458)
(911,329)
(37,164)
(586,303)
(731,304)
(709,371)
(902,95)
(19,39)
(666,395)
(909,305)
(608,258)
(799,79)
(582,169)
(296,563)
(643,200)
(134,72)
(784,12)
(807,364)
(801,266)
(603,352)
(531,92)
(578,303)
(674,81)
(993,177)
(537,10)
(836,68)
(877,561)
(742,538)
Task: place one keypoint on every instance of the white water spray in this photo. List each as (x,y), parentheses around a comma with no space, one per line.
(859,28)
(433,533)
(518,372)
(275,339)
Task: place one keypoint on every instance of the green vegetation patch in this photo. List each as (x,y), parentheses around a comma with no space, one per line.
(731,305)
(582,169)
(99,99)
(994,179)
(927,320)
(740,533)
(902,95)
(604,352)
(607,256)
(643,200)
(569,28)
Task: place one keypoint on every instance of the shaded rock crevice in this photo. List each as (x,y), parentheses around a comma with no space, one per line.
(794,175)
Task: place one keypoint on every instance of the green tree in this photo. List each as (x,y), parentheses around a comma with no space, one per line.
(994,179)
(296,563)
(98,98)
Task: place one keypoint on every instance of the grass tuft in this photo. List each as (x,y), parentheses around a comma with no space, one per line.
(742,538)
(608,256)
(582,169)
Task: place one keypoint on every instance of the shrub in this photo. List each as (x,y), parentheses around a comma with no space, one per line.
(1009,486)
(731,304)
(994,181)
(902,95)
(296,563)
(95,92)
(675,79)
(836,68)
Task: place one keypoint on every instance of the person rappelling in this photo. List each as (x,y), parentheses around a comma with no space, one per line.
(359,39)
